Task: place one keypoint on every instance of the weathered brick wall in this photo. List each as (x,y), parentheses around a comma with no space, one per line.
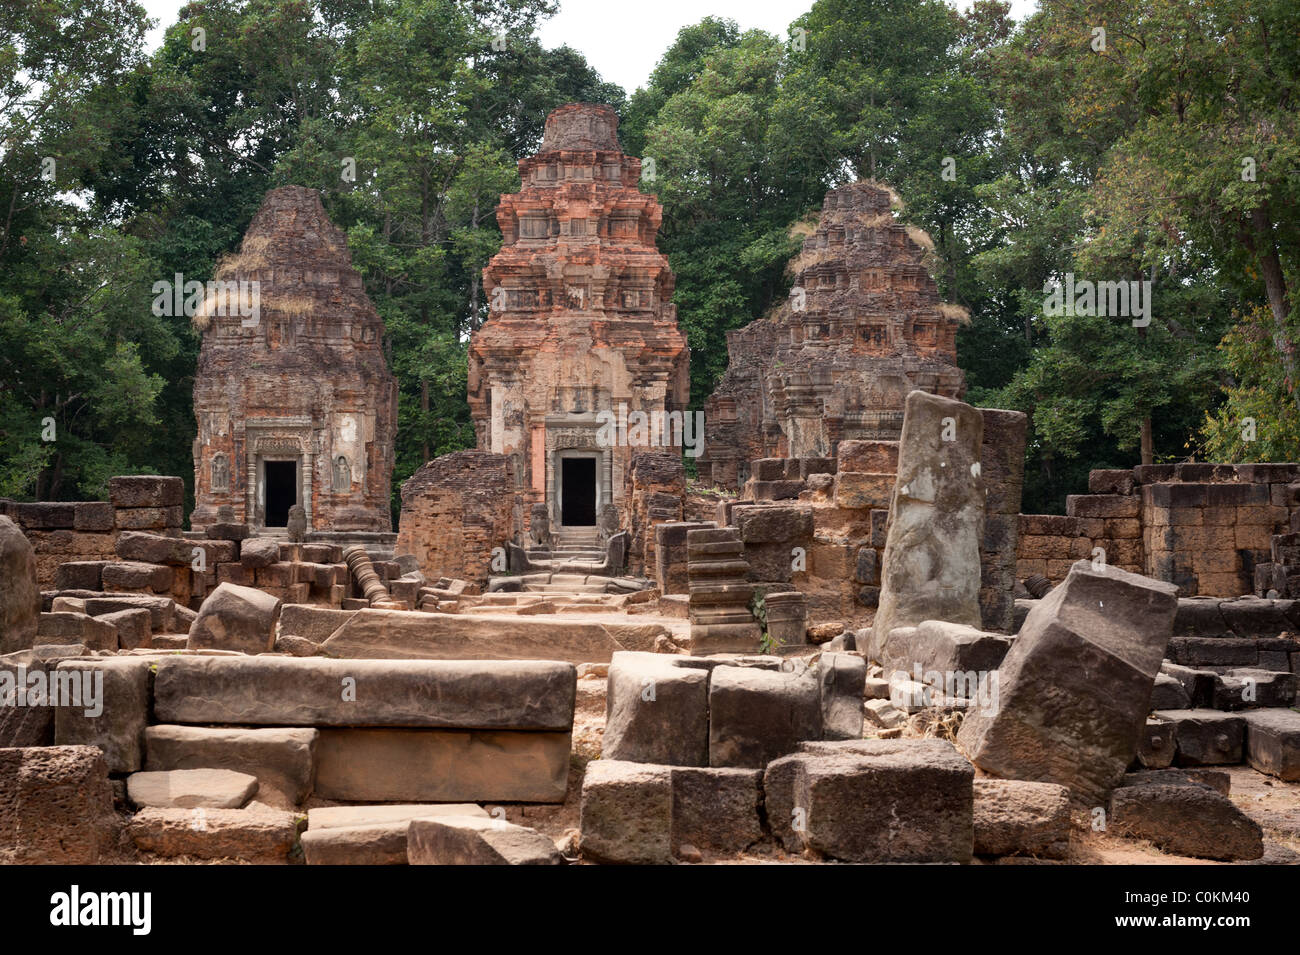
(656,487)
(1204,527)
(455,510)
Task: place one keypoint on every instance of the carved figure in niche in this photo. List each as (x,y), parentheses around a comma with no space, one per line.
(608,521)
(342,475)
(539,526)
(220,473)
(297,523)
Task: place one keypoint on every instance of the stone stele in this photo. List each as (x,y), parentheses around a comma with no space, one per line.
(931,566)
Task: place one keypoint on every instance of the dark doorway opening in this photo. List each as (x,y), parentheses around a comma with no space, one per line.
(281,491)
(578,487)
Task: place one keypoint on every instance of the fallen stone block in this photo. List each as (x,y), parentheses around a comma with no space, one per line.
(471,840)
(412,635)
(312,623)
(627,811)
(716,809)
(134,630)
(236,618)
(26,717)
(1169,693)
(146,490)
(843,680)
(1185,819)
(162,610)
(77,628)
(313,691)
(1206,737)
(1216,779)
(137,575)
(356,845)
(1076,685)
(1013,817)
(941,647)
(883,714)
(282,759)
(414,765)
(1273,742)
(256,835)
(1158,744)
(1246,687)
(656,712)
(104,702)
(1199,684)
(191,789)
(874,800)
(757,715)
(80,575)
(56,806)
(360,817)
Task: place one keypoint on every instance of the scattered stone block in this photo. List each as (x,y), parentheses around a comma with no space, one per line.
(104,702)
(56,806)
(256,835)
(1273,742)
(1206,737)
(65,628)
(716,809)
(874,800)
(1248,687)
(22,677)
(236,618)
(191,788)
(757,715)
(283,759)
(1168,693)
(414,765)
(627,811)
(356,845)
(472,840)
(140,490)
(80,575)
(945,648)
(1158,745)
(1013,817)
(884,714)
(1187,819)
(657,712)
(399,634)
(133,627)
(1075,687)
(843,680)
(360,817)
(288,691)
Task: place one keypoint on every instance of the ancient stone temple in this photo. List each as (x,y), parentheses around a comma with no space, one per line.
(582,338)
(863,327)
(294,400)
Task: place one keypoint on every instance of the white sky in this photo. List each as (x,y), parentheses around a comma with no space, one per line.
(623,39)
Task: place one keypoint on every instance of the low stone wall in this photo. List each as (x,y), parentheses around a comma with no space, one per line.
(1204,527)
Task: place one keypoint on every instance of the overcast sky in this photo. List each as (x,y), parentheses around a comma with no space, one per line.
(623,39)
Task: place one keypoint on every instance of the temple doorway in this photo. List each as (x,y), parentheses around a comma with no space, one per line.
(281,482)
(578,492)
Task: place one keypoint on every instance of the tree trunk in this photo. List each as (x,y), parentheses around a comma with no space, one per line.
(1270,266)
(1148,444)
